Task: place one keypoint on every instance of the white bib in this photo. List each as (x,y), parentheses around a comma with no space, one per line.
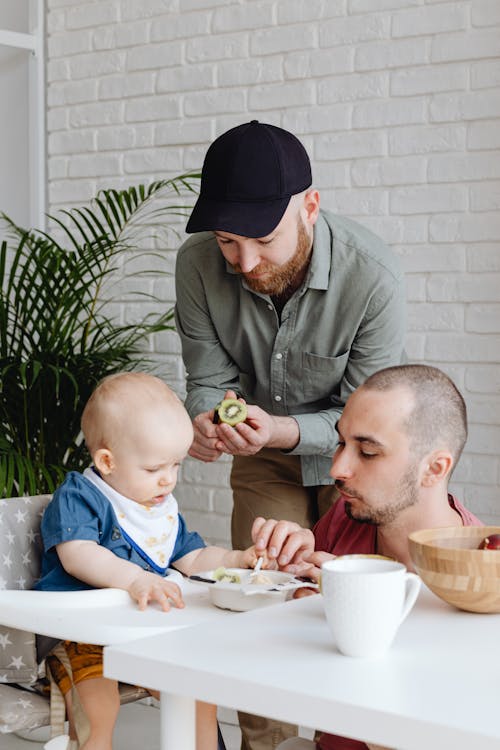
(152,531)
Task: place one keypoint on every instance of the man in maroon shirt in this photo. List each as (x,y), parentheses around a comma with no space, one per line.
(400,435)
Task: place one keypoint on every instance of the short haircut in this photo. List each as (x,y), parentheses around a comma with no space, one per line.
(439,415)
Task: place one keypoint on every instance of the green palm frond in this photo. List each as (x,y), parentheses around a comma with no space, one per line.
(57,336)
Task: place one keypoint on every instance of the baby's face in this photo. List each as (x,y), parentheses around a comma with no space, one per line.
(146,463)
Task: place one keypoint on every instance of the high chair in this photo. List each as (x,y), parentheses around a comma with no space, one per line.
(24,702)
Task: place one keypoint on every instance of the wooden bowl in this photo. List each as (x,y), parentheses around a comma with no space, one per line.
(451,565)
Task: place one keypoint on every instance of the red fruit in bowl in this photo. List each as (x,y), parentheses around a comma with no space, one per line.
(490,542)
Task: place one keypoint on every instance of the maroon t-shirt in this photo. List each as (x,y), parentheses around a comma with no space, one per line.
(338,534)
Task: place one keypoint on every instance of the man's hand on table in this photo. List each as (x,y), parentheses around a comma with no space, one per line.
(312,563)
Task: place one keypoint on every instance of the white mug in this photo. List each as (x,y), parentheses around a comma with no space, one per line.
(366,598)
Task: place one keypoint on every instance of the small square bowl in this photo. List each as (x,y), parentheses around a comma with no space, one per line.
(451,565)
(232,595)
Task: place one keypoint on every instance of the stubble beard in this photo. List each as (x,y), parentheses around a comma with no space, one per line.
(279,279)
(407,494)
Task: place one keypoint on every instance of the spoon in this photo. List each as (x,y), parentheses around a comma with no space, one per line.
(201,578)
(257,567)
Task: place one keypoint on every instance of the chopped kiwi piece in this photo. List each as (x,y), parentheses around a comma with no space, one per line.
(231,411)
(225,576)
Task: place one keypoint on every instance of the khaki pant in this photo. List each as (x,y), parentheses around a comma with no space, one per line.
(270,485)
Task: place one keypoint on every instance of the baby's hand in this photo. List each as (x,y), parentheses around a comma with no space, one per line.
(149,587)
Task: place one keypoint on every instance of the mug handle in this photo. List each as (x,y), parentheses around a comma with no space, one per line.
(413,583)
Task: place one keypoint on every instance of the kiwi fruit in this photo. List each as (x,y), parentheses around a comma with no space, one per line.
(225,576)
(231,411)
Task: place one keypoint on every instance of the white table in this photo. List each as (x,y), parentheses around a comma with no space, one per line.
(438,688)
(102,616)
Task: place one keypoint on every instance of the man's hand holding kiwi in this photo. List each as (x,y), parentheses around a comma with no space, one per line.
(257,431)
(244,438)
(205,438)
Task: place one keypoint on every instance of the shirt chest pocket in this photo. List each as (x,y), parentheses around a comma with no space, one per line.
(322,376)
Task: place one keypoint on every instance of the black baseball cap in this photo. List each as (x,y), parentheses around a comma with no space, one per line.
(248,177)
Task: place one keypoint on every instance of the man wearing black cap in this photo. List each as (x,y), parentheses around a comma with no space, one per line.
(288,307)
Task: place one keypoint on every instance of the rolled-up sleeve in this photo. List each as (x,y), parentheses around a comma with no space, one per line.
(210,370)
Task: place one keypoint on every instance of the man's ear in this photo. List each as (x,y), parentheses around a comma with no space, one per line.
(436,468)
(311,206)
(103,461)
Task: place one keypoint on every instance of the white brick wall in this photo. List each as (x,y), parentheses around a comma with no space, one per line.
(397,102)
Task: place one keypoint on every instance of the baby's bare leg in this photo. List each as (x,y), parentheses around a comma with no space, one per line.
(206,726)
(100,700)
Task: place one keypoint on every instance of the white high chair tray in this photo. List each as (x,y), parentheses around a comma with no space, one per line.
(102,616)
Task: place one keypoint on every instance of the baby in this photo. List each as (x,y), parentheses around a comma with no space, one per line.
(117,525)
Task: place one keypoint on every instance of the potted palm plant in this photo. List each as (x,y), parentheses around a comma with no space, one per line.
(58,334)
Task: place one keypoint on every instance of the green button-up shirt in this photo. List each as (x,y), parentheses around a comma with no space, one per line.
(346,321)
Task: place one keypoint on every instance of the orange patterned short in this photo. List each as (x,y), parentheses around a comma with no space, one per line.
(85,660)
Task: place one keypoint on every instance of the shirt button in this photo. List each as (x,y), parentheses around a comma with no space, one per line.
(279,355)
(277,398)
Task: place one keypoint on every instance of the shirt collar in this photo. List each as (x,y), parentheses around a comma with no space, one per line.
(321,259)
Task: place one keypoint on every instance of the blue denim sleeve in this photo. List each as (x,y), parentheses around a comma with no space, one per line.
(187,541)
(73,513)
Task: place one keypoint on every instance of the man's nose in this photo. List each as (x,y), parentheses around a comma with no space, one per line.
(340,468)
(248,259)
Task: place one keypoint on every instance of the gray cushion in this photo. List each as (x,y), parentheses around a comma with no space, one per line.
(20,554)
(20,709)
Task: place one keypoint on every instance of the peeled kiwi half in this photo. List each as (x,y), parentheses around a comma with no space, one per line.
(225,576)
(231,411)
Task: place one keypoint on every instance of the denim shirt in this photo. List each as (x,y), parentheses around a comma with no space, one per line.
(346,321)
(79,510)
